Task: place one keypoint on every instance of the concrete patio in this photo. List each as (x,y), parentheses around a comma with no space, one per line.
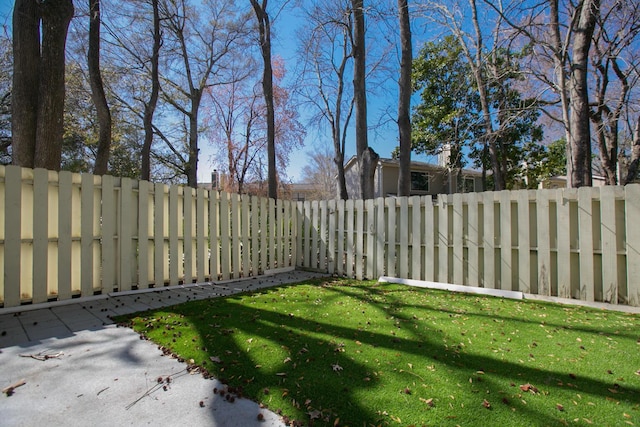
(79,368)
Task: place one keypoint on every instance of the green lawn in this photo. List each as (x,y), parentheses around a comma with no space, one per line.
(340,352)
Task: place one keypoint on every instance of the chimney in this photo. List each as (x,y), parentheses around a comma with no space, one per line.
(444,155)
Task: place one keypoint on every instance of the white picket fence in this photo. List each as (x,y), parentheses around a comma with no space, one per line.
(66,235)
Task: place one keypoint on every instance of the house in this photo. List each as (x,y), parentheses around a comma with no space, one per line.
(560,181)
(426,179)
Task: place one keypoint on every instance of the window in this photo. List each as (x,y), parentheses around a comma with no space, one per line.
(419,181)
(469,185)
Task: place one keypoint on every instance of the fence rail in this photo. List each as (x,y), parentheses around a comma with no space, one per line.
(66,235)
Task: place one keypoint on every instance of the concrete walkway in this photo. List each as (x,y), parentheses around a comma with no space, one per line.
(81,369)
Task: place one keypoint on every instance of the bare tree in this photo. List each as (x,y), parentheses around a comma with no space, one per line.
(320,172)
(203,51)
(404,100)
(97,90)
(326,51)
(264,31)
(559,35)
(150,105)
(367,157)
(473,46)
(615,75)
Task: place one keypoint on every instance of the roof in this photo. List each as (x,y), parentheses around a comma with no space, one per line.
(414,165)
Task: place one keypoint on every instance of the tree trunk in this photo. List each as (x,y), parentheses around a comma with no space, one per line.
(632,171)
(192,162)
(499,182)
(150,107)
(56,16)
(264,27)
(342,182)
(579,96)
(404,100)
(360,96)
(97,91)
(26,72)
(559,62)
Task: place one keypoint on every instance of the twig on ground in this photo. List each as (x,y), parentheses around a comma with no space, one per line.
(157,386)
(9,389)
(43,356)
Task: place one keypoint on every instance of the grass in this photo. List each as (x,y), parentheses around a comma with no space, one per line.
(340,352)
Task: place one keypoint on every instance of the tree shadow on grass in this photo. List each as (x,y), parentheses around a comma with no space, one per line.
(315,369)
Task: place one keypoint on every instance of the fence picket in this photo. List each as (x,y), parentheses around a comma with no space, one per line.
(443,239)
(458,239)
(87,220)
(609,244)
(187,241)
(235,236)
(125,235)
(472,239)
(245,233)
(41,235)
(264,228)
(315,222)
(489,240)
(13,282)
(370,237)
(523,278)
(359,244)
(160,229)
(349,229)
(255,248)
(225,228)
(322,256)
(403,227)
(202,234)
(381,236)
(286,225)
(429,240)
(585,219)
(632,210)
(65,233)
(145,261)
(391,228)
(340,250)
(214,235)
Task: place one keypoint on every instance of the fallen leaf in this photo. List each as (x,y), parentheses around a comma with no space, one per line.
(560,407)
(486,404)
(528,387)
(215,359)
(336,367)
(315,414)
(428,401)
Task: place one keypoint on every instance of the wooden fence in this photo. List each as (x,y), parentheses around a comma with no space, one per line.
(66,235)
(572,243)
